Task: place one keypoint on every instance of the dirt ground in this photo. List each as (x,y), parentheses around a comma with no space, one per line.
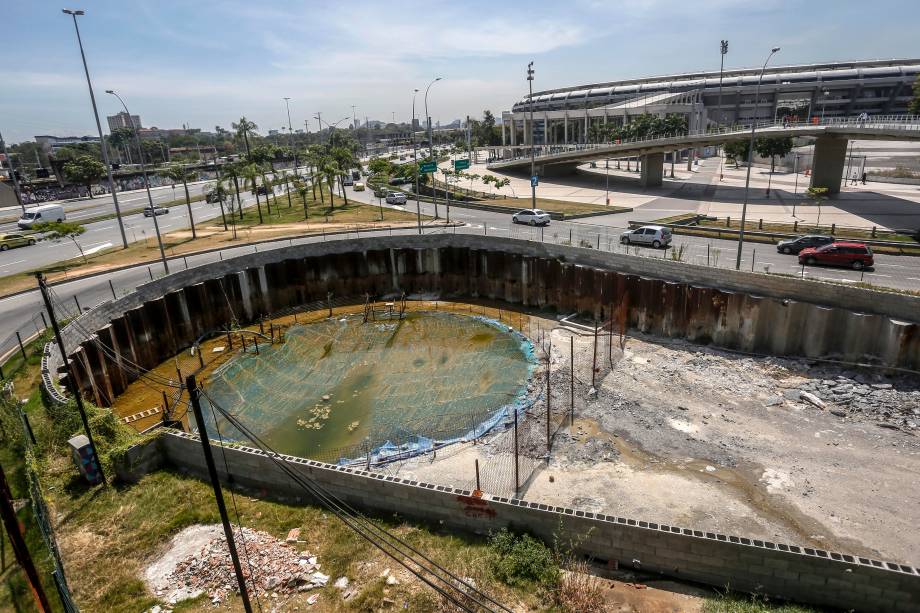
(692,436)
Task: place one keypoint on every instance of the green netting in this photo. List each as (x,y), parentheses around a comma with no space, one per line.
(342,382)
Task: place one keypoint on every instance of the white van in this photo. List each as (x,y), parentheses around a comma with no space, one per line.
(41,214)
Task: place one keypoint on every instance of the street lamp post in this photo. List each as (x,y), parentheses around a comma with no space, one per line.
(750,160)
(105,154)
(291,132)
(16,189)
(418,206)
(533,161)
(823,101)
(724,50)
(140,152)
(434,191)
(428,119)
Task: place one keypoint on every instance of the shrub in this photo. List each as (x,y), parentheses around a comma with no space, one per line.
(521,560)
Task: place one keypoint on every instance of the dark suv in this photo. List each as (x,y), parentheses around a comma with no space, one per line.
(851,255)
(795,245)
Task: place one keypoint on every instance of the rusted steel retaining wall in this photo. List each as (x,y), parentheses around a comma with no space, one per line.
(749,312)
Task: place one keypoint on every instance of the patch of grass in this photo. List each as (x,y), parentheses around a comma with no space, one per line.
(554,206)
(523,561)
(730,602)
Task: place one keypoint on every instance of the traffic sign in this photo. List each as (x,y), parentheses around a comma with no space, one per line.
(461,164)
(534,181)
(427,168)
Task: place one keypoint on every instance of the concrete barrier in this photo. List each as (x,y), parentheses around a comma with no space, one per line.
(775,569)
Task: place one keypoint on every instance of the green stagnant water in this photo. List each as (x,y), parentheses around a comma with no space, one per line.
(336,386)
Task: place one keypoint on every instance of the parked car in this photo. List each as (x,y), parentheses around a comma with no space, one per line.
(359,186)
(347,180)
(45,213)
(398,181)
(355,174)
(795,245)
(851,255)
(656,236)
(396,198)
(9,241)
(532,217)
(155,210)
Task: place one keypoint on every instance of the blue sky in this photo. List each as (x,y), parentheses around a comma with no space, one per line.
(207,62)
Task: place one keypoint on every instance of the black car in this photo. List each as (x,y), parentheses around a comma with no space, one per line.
(794,245)
(262,190)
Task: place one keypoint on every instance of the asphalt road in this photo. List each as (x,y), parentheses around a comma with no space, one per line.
(22,312)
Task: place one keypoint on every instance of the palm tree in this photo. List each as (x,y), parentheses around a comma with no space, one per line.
(302,190)
(177,172)
(316,159)
(286,179)
(332,172)
(243,129)
(250,172)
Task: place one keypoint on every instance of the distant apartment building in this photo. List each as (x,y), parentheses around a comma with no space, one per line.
(123,120)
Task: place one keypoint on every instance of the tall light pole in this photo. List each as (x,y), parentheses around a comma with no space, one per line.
(418,206)
(105,154)
(140,153)
(291,132)
(747,181)
(823,101)
(16,189)
(533,161)
(428,118)
(724,50)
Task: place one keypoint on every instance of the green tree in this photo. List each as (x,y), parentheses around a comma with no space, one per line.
(914,107)
(251,174)
(63,229)
(380,166)
(176,173)
(243,129)
(772,147)
(489,180)
(122,139)
(332,172)
(301,188)
(84,170)
(737,150)
(818,195)
(264,154)
(72,152)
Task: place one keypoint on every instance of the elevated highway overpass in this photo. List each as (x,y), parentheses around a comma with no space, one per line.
(832,137)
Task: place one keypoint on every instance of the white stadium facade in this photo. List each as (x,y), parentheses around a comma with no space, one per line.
(831,90)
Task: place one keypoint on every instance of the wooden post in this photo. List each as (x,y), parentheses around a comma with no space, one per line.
(22,349)
(112,287)
(478,488)
(200,356)
(229,341)
(594,359)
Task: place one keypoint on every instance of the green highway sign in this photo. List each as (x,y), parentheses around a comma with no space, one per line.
(427,168)
(461,164)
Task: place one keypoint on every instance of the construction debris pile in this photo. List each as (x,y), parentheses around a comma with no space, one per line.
(890,401)
(272,568)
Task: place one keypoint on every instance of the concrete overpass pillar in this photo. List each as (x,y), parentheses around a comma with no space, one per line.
(513,128)
(827,166)
(652,170)
(566,129)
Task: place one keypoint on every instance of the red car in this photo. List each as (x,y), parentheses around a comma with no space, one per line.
(852,255)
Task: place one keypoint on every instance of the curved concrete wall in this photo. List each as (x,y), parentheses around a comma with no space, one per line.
(749,312)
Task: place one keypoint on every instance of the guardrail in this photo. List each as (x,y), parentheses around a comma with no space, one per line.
(773,236)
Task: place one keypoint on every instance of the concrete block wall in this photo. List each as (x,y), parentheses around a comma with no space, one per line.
(750,312)
(776,569)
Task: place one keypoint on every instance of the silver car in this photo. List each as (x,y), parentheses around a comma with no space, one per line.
(532,217)
(654,236)
(396,198)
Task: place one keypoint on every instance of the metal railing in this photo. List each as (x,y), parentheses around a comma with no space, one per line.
(881,122)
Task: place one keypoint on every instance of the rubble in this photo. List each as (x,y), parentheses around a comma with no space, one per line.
(271,567)
(886,400)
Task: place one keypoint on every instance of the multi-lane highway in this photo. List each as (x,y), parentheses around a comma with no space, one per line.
(22,312)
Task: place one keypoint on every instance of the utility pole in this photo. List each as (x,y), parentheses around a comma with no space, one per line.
(194,394)
(20,550)
(71,375)
(9,161)
(418,206)
(533,167)
(105,153)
